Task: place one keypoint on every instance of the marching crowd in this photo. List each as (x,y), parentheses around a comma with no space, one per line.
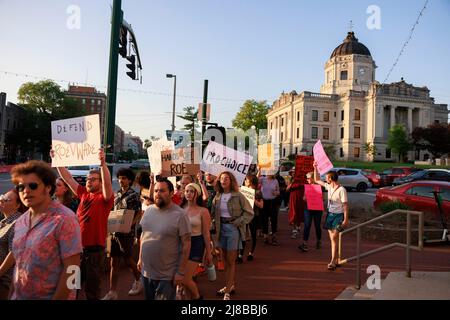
(55,230)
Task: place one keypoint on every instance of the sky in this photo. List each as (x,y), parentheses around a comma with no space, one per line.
(247,49)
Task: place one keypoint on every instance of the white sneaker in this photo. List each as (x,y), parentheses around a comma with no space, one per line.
(226,296)
(136,288)
(111,295)
(294,234)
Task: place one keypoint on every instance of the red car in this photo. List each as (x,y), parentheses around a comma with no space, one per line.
(417,195)
(387,176)
(373,177)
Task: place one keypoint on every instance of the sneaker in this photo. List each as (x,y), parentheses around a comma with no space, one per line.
(220,265)
(226,296)
(294,234)
(136,289)
(303,247)
(111,295)
(275,242)
(239,260)
(318,244)
(250,257)
(221,292)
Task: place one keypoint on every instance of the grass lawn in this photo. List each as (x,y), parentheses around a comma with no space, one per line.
(380,166)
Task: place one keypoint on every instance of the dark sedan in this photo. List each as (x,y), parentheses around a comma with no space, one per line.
(430,174)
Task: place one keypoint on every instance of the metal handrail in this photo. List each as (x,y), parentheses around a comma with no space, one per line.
(407,246)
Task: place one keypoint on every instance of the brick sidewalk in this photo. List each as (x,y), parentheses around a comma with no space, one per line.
(285,273)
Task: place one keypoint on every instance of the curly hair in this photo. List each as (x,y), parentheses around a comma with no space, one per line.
(234,185)
(39,168)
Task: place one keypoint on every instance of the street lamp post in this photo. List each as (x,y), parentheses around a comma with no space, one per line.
(174,95)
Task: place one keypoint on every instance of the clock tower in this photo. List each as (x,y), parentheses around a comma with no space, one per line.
(350,67)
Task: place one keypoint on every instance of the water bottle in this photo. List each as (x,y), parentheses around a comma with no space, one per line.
(211,272)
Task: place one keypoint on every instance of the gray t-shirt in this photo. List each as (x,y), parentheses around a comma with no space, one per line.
(161,241)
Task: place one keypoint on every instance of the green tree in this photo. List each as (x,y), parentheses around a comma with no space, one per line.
(43,102)
(398,141)
(330,150)
(435,138)
(252,113)
(190,116)
(370,149)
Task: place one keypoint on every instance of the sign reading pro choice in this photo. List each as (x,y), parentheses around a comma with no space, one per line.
(76,141)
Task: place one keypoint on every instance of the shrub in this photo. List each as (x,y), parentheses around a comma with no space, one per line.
(393,205)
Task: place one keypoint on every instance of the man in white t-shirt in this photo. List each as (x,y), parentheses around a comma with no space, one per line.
(337,217)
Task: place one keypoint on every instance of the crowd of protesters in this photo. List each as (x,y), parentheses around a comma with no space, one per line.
(53,228)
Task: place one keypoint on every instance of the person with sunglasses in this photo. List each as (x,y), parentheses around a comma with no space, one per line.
(96,202)
(12,208)
(47,239)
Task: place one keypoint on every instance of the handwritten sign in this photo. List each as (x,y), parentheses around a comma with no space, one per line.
(178,162)
(120,220)
(323,163)
(249,194)
(154,153)
(268,158)
(76,141)
(314,199)
(303,165)
(218,158)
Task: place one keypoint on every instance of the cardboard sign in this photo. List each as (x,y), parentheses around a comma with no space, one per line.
(314,199)
(76,141)
(268,158)
(178,162)
(218,158)
(303,165)
(154,153)
(249,193)
(120,220)
(323,163)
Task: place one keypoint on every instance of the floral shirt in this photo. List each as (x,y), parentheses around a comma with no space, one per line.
(39,251)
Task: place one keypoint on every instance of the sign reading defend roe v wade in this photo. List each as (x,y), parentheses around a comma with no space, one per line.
(76,141)
(218,158)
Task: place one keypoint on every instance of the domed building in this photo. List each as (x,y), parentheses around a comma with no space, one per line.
(352,109)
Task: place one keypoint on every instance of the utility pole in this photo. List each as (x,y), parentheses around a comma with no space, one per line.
(205,101)
(117,16)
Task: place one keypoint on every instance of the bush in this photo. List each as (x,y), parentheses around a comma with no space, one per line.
(393,205)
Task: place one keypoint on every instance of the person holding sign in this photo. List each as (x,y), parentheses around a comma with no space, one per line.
(96,201)
(122,243)
(310,215)
(200,238)
(232,212)
(337,216)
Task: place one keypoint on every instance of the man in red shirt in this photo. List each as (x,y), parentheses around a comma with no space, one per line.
(96,201)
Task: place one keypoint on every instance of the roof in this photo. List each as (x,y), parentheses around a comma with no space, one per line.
(351,45)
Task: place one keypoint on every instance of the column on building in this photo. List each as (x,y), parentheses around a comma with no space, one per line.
(410,126)
(392,116)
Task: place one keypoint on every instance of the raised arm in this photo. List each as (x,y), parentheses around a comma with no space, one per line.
(201,181)
(317,176)
(107,189)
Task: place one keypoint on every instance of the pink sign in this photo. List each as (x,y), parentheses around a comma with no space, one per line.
(320,157)
(313,194)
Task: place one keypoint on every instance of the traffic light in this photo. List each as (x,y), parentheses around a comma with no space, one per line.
(132,67)
(123,41)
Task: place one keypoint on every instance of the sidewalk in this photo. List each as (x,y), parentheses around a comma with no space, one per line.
(285,273)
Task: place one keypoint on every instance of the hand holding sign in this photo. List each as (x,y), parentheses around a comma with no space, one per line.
(320,157)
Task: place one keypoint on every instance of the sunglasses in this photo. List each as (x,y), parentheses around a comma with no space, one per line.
(32,185)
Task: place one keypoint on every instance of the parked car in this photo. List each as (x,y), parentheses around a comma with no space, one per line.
(79,173)
(140,164)
(351,179)
(417,195)
(387,176)
(430,174)
(373,177)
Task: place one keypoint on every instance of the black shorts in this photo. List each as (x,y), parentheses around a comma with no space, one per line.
(122,244)
(197,249)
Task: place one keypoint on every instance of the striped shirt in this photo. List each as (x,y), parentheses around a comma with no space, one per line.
(6,239)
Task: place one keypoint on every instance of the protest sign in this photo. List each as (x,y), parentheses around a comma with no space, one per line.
(120,220)
(323,163)
(76,141)
(268,158)
(303,165)
(154,153)
(218,158)
(314,199)
(249,193)
(178,162)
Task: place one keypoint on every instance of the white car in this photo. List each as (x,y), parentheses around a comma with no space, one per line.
(351,179)
(79,173)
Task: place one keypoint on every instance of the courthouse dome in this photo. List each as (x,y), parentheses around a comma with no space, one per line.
(351,45)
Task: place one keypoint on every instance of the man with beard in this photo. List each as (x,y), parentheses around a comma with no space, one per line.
(165,229)
(96,202)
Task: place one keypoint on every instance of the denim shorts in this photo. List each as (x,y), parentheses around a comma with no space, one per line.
(333,220)
(158,289)
(229,237)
